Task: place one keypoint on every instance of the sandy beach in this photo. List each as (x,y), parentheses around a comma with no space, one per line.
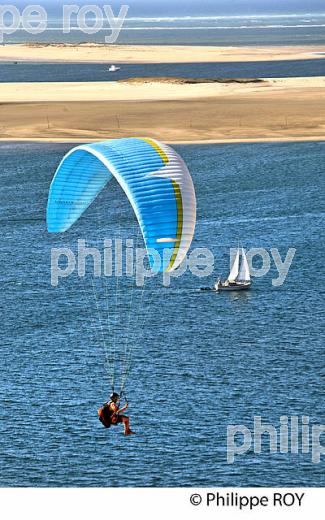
(155,53)
(170,110)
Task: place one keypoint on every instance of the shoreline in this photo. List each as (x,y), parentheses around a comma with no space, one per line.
(141,54)
(49,140)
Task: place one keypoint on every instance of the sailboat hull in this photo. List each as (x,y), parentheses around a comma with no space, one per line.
(236,287)
(243,287)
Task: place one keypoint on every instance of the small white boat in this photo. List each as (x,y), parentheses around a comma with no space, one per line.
(239,278)
(113,68)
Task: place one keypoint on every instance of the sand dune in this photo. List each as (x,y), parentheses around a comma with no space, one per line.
(156,89)
(275,109)
(154,53)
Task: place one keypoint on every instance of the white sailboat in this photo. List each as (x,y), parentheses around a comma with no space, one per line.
(239,277)
(113,68)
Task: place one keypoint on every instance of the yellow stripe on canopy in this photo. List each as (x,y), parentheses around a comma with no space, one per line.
(179,203)
(156,146)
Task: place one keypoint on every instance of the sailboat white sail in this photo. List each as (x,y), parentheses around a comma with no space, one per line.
(235,268)
(244,273)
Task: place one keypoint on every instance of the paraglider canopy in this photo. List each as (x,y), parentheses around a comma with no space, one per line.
(154,178)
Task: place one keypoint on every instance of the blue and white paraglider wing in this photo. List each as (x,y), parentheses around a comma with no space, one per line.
(153,176)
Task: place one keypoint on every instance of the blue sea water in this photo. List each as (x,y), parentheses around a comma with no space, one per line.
(201,361)
(187,28)
(39,72)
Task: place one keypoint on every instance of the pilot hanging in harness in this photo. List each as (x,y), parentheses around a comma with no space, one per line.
(110,414)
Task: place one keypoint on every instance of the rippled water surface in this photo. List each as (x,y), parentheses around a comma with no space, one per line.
(201,361)
(39,72)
